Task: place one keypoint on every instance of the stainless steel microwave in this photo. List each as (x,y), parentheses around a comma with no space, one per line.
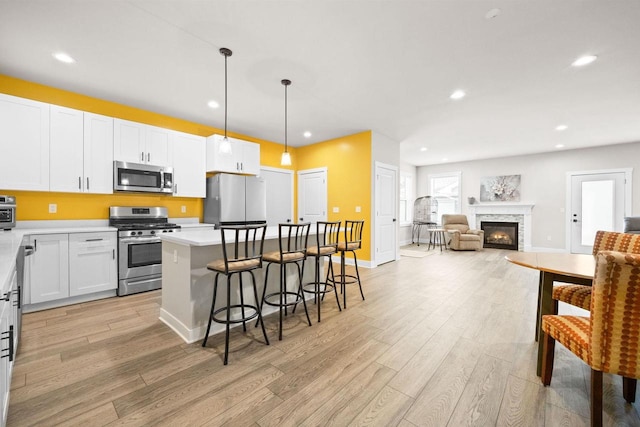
(141,178)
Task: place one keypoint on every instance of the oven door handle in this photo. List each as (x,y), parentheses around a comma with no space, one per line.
(134,240)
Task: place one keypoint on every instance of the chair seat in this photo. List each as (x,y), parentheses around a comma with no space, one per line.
(324,250)
(570,331)
(235,265)
(469,237)
(348,246)
(576,295)
(286,257)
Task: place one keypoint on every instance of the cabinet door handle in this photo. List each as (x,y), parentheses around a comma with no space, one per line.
(10,338)
(142,156)
(148,157)
(35,245)
(113,254)
(87,183)
(93,240)
(79,183)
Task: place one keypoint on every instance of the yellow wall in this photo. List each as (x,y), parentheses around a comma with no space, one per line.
(33,205)
(348,160)
(348,163)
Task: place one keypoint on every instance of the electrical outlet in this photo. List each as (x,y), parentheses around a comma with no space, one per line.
(175,256)
(183,209)
(549,238)
(53,208)
(358,209)
(336,209)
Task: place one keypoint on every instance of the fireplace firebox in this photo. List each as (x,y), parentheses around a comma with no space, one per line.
(500,235)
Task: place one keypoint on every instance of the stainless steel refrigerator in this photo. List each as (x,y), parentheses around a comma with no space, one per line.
(235,199)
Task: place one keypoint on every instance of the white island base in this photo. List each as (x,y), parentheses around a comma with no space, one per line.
(187,284)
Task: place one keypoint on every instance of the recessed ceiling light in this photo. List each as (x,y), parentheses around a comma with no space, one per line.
(445,160)
(559,145)
(584,60)
(63,57)
(307,134)
(213,104)
(492,13)
(423,149)
(458,94)
(560,128)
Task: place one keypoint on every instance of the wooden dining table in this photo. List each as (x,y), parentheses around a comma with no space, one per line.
(553,267)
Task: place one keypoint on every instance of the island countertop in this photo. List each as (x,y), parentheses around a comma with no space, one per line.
(200,237)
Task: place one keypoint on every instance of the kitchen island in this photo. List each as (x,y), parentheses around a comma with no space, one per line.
(187,284)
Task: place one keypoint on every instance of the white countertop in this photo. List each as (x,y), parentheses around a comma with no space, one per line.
(199,237)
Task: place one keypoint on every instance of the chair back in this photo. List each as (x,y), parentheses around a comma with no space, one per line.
(615,314)
(632,224)
(455,222)
(242,247)
(327,234)
(293,240)
(619,242)
(353,234)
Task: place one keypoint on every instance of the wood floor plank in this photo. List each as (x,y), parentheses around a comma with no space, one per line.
(523,404)
(386,409)
(480,402)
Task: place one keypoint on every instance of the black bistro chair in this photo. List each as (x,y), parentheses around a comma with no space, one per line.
(292,239)
(242,253)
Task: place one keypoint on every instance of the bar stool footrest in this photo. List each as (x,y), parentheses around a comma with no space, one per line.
(328,287)
(348,279)
(298,299)
(237,320)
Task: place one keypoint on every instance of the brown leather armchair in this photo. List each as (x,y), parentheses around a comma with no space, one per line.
(462,237)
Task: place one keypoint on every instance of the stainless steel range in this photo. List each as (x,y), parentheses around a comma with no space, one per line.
(139,246)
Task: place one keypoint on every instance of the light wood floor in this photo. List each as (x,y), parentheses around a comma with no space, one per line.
(446,339)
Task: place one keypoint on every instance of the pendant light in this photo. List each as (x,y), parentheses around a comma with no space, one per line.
(286,157)
(225,145)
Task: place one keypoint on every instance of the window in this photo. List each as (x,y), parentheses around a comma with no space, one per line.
(406,199)
(445,188)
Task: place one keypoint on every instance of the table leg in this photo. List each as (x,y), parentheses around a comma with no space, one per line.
(546,307)
(538,305)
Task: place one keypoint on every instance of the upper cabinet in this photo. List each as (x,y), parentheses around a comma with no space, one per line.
(189,175)
(24,138)
(140,143)
(81,151)
(244,157)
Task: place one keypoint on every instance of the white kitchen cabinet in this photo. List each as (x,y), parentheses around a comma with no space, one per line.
(8,343)
(98,154)
(92,263)
(140,143)
(24,138)
(189,165)
(81,151)
(48,268)
(244,157)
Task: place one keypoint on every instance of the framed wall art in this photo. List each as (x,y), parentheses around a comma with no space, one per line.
(502,188)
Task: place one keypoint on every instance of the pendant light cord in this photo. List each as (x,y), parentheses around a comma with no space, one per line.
(285,118)
(225,96)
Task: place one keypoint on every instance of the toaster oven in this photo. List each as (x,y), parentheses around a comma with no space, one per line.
(7,212)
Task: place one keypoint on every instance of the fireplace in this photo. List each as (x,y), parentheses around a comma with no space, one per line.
(500,235)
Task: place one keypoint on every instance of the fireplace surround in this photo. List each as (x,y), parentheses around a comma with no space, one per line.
(509,212)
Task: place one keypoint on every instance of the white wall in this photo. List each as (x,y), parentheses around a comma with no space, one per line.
(543,182)
(404,235)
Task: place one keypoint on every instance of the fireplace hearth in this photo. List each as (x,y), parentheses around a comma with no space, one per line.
(500,235)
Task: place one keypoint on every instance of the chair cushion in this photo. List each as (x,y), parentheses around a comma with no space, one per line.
(570,331)
(324,250)
(234,266)
(286,257)
(462,228)
(469,237)
(349,246)
(632,224)
(577,295)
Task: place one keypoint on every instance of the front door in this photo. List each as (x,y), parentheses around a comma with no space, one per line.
(386,201)
(598,202)
(312,195)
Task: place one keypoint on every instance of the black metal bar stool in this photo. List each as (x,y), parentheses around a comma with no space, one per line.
(351,243)
(243,255)
(293,250)
(326,245)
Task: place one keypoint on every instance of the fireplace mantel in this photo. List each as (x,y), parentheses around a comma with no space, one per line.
(523,210)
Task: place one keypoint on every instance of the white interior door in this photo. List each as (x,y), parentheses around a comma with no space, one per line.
(386,185)
(312,195)
(279,184)
(598,202)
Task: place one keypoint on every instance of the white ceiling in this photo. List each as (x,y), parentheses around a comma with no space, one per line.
(388,66)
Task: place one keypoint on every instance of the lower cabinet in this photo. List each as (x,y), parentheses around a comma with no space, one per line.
(68,265)
(7,343)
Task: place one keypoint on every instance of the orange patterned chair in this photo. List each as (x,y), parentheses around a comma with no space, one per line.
(580,295)
(609,340)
